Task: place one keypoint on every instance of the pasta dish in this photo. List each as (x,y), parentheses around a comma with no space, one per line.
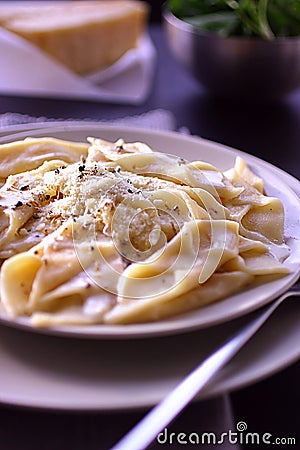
(117,233)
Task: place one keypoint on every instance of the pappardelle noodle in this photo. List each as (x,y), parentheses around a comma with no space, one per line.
(116,233)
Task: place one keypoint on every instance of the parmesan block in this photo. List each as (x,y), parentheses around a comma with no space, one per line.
(85,36)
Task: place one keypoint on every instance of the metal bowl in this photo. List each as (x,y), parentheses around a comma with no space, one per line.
(235,66)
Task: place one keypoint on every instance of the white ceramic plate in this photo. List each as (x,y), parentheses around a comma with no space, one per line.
(55,373)
(52,372)
(191,148)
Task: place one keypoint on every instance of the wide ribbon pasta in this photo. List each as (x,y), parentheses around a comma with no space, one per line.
(112,233)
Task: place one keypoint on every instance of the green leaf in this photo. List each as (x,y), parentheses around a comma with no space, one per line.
(284,17)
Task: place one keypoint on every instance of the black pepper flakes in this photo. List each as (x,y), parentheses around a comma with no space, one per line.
(19,203)
(119,147)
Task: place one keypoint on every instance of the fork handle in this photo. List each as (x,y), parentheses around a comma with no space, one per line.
(139,437)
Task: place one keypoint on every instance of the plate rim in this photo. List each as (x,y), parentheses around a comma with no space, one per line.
(241,378)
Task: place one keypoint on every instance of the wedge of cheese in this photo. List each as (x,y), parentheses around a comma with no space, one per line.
(85,36)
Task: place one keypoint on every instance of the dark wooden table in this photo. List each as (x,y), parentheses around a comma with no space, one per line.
(268,130)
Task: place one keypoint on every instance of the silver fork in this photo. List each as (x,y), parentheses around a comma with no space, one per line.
(144,433)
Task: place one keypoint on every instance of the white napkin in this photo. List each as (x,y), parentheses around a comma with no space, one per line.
(26,70)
